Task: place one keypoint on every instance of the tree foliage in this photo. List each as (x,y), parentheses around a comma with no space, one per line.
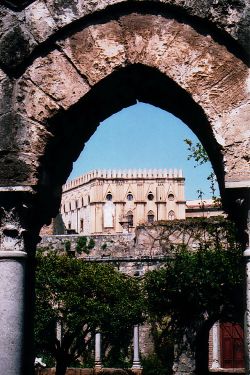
(196,285)
(80,297)
(198,153)
(84,245)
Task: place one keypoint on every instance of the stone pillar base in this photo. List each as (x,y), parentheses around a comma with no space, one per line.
(137,371)
(97,368)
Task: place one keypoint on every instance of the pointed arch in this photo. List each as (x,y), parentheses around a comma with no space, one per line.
(151,217)
(171,215)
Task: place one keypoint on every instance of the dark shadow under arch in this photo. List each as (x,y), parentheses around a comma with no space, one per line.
(122,88)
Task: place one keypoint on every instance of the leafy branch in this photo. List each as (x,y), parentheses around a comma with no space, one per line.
(198,153)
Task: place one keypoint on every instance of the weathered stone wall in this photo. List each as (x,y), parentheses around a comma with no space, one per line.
(153,242)
(120,250)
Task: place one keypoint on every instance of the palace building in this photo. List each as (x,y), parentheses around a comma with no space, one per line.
(110,202)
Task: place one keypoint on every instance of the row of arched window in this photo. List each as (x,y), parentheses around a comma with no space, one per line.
(130,196)
(150,217)
(130,219)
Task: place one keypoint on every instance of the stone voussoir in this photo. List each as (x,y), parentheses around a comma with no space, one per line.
(33,102)
(16,44)
(58,78)
(39,21)
(105,50)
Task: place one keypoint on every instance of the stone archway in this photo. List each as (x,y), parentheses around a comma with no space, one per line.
(66,77)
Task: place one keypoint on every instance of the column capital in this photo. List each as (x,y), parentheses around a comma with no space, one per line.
(12,254)
(19,227)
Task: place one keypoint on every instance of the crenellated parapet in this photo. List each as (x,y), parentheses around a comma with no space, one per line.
(124,174)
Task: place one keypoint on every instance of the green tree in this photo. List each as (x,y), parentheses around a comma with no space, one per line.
(81,297)
(193,290)
(209,282)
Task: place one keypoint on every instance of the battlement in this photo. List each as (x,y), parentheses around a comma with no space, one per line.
(123,174)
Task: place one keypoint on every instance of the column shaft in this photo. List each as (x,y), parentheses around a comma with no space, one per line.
(98,361)
(136,359)
(247,313)
(12,302)
(216,346)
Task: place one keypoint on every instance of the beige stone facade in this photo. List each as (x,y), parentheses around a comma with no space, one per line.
(118,201)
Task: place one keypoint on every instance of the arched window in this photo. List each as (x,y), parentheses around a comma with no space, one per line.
(109,197)
(171,215)
(151,217)
(76,203)
(70,206)
(81,225)
(171,197)
(130,218)
(130,197)
(69,225)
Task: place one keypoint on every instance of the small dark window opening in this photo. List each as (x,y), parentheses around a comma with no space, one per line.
(150,196)
(151,218)
(130,219)
(81,225)
(109,197)
(129,197)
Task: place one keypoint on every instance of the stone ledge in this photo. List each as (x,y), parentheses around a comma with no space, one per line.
(226,371)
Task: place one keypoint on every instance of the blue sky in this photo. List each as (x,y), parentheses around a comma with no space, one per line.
(143,136)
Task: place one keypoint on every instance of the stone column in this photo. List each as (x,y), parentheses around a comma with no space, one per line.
(59,331)
(216,346)
(136,359)
(16,284)
(98,359)
(12,298)
(247,313)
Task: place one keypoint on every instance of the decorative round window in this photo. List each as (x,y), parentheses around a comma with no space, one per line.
(129,197)
(109,197)
(150,196)
(170,197)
